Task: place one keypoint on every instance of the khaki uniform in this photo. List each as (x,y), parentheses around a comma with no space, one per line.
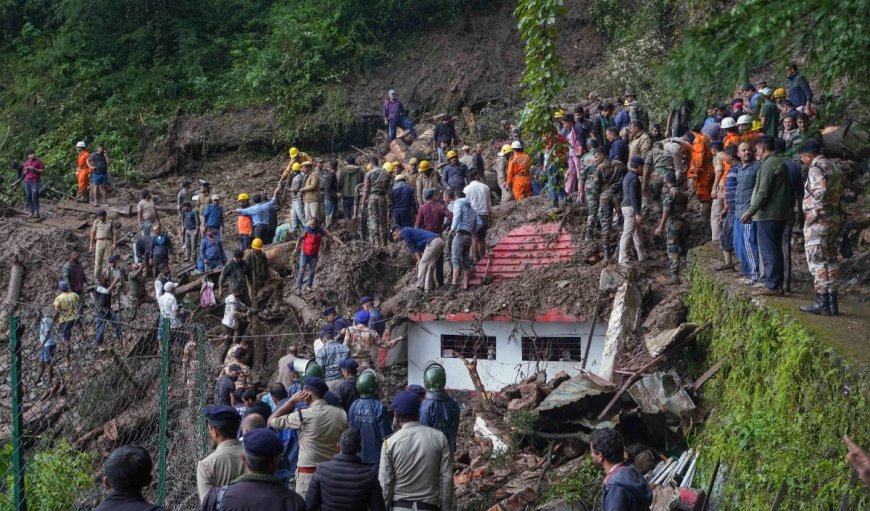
(640,145)
(220,467)
(319,427)
(103,231)
(416,466)
(426,180)
(283,372)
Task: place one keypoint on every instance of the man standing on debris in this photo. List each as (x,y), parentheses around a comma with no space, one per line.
(770,209)
(477,193)
(701,170)
(184,195)
(674,203)
(146,213)
(610,174)
(625,489)
(244,223)
(455,174)
(345,482)
(127,472)
(376,196)
(236,274)
(213,216)
(261,275)
(212,251)
(500,166)
(426,179)
(160,248)
(519,175)
(445,137)
(48,345)
(368,415)
(632,228)
(463,228)
(234,313)
(103,241)
(225,464)
(319,427)
(74,275)
(346,390)
(427,248)
(163,278)
(98,162)
(640,142)
(657,164)
(416,469)
(297,209)
(376,318)
(310,191)
(83,172)
(348,179)
(329,179)
(395,115)
(823,213)
(361,339)
(66,307)
(308,246)
(103,303)
(189,231)
(330,357)
(439,410)
(404,202)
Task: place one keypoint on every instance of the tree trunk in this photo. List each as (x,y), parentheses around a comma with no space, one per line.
(13,290)
(308,314)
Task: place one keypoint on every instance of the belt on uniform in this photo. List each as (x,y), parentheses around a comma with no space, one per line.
(306,470)
(103,239)
(522,174)
(378,193)
(463,231)
(421,506)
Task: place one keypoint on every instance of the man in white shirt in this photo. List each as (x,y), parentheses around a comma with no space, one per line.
(169,306)
(477,193)
(233,310)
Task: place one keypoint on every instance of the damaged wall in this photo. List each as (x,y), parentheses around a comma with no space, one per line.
(782,401)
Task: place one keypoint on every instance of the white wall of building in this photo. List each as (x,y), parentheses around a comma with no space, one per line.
(424,344)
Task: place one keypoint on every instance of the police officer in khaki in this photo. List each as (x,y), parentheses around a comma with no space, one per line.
(225,464)
(319,425)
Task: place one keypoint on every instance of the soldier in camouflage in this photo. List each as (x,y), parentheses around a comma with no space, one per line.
(376,195)
(610,174)
(821,204)
(591,185)
(657,164)
(674,203)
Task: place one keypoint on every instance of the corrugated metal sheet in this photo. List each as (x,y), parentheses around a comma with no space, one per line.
(524,248)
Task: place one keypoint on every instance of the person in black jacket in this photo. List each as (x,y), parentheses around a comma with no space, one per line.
(346,390)
(127,471)
(344,483)
(625,489)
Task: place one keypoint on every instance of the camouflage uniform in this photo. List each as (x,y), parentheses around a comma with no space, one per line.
(378,184)
(660,162)
(361,340)
(592,189)
(821,204)
(610,174)
(674,202)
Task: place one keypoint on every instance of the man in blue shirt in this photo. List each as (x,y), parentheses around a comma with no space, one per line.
(623,118)
(404,199)
(746,235)
(213,216)
(464,226)
(618,147)
(799,92)
(427,247)
(396,115)
(376,319)
(368,416)
(259,213)
(438,410)
(329,358)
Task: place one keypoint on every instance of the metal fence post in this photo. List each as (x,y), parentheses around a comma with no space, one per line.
(19,495)
(202,378)
(164,406)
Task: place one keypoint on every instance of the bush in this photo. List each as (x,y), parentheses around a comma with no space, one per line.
(54,478)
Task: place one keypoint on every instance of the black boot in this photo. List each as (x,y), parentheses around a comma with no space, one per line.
(821,306)
(834,304)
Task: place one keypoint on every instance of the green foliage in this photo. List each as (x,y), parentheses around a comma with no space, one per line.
(779,407)
(55,478)
(543,76)
(831,38)
(583,485)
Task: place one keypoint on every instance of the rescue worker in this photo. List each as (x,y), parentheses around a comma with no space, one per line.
(519,176)
(262,276)
(416,469)
(657,164)
(591,186)
(439,410)
(426,179)
(258,487)
(454,174)
(259,214)
(610,174)
(376,196)
(822,193)
(103,241)
(297,207)
(674,202)
(500,165)
(310,191)
(296,157)
(224,464)
(395,116)
(345,482)
(701,170)
(368,416)
(319,428)
(348,179)
(346,390)
(640,143)
(83,172)
(362,340)
(404,200)
(244,223)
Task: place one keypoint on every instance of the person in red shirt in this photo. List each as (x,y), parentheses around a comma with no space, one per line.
(309,243)
(433,215)
(31,174)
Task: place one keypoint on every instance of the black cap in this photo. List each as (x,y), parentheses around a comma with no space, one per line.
(263,442)
(406,403)
(810,147)
(221,413)
(636,161)
(329,310)
(416,389)
(317,385)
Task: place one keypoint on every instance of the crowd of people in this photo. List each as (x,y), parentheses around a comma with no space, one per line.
(754,168)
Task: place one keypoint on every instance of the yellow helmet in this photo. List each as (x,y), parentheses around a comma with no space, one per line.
(293,152)
(243,196)
(257,244)
(506,149)
(424,165)
(779,93)
(388,166)
(451,154)
(558,114)
(412,161)
(368,167)
(297,166)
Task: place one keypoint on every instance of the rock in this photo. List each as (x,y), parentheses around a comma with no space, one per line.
(560,377)
(610,280)
(865,236)
(530,396)
(518,501)
(461,479)
(563,505)
(668,313)
(623,327)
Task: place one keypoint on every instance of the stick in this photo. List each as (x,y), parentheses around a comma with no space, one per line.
(625,386)
(558,436)
(780,496)
(844,504)
(592,329)
(706,505)
(13,290)
(475,379)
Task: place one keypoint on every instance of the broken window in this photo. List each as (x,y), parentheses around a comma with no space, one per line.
(552,349)
(468,346)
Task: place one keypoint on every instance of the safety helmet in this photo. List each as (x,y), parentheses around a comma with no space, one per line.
(243,196)
(388,166)
(451,154)
(516,144)
(558,114)
(293,152)
(412,161)
(81,145)
(727,123)
(744,119)
(313,370)
(767,91)
(424,165)
(257,244)
(434,377)
(367,384)
(368,167)
(297,166)
(779,93)
(505,149)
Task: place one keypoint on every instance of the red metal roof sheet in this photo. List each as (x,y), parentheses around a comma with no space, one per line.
(555,315)
(524,248)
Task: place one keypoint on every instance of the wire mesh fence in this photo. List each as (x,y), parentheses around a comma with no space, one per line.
(64,409)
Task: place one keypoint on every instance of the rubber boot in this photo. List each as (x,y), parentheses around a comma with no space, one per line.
(834,303)
(821,307)
(675,279)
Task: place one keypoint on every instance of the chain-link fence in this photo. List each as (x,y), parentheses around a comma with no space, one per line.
(63,410)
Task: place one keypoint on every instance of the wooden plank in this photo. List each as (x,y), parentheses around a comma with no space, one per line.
(77,206)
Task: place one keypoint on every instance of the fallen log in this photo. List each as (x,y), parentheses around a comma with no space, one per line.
(38,418)
(135,418)
(279,255)
(13,290)
(308,314)
(88,437)
(476,381)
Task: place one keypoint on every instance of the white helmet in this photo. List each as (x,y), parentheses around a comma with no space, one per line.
(81,145)
(767,91)
(727,122)
(516,144)
(744,119)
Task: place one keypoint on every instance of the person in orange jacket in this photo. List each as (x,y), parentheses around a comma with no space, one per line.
(701,169)
(519,177)
(83,172)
